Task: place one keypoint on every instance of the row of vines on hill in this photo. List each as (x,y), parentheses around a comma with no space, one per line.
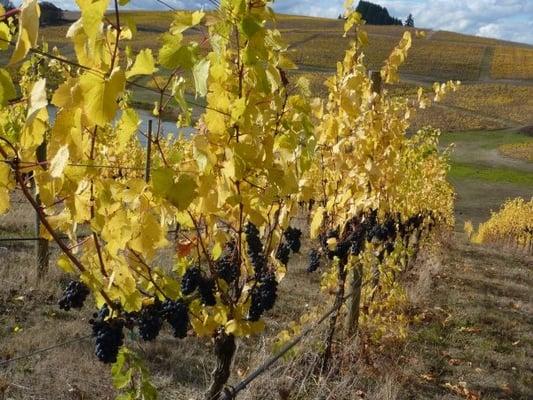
(511,226)
(262,152)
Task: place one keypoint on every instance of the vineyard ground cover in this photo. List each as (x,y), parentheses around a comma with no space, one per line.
(476,337)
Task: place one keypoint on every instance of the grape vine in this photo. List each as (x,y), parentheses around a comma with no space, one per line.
(230,192)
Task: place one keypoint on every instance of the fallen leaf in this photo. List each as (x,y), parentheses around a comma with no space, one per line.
(469,329)
(428,377)
(462,390)
(454,361)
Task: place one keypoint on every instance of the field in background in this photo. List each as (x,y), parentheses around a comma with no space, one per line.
(497,76)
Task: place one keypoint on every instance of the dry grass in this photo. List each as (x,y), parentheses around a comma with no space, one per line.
(460,38)
(475,328)
(444,60)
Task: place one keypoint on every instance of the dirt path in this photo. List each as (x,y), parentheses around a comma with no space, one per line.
(304,41)
(486,64)
(475,340)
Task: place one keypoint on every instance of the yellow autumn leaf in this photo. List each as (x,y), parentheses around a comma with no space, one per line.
(5,184)
(184,20)
(316,223)
(7,89)
(92,12)
(144,64)
(28,30)
(127,127)
(101,94)
(37,99)
(5,35)
(59,162)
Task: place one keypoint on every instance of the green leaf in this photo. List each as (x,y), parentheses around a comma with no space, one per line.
(121,380)
(148,391)
(174,54)
(250,26)
(180,193)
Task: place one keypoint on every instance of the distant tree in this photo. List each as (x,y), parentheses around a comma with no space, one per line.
(50,13)
(340,16)
(7,4)
(410,21)
(374,14)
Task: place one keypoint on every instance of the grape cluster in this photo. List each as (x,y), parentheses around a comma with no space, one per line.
(177,316)
(149,321)
(206,288)
(292,238)
(264,295)
(191,280)
(415,221)
(255,248)
(109,335)
(283,252)
(227,266)
(314,260)
(358,239)
(383,232)
(74,295)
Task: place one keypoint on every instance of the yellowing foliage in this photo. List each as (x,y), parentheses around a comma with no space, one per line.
(511,226)
(260,148)
(521,151)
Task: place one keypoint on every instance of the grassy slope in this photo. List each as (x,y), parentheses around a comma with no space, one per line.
(477,329)
(482,176)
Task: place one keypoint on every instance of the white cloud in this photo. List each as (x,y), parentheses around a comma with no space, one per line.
(502,19)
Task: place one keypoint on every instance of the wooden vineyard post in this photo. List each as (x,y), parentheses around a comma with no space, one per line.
(354,304)
(356,277)
(375,76)
(42,252)
(148,153)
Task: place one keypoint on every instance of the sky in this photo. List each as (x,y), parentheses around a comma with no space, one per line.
(501,19)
